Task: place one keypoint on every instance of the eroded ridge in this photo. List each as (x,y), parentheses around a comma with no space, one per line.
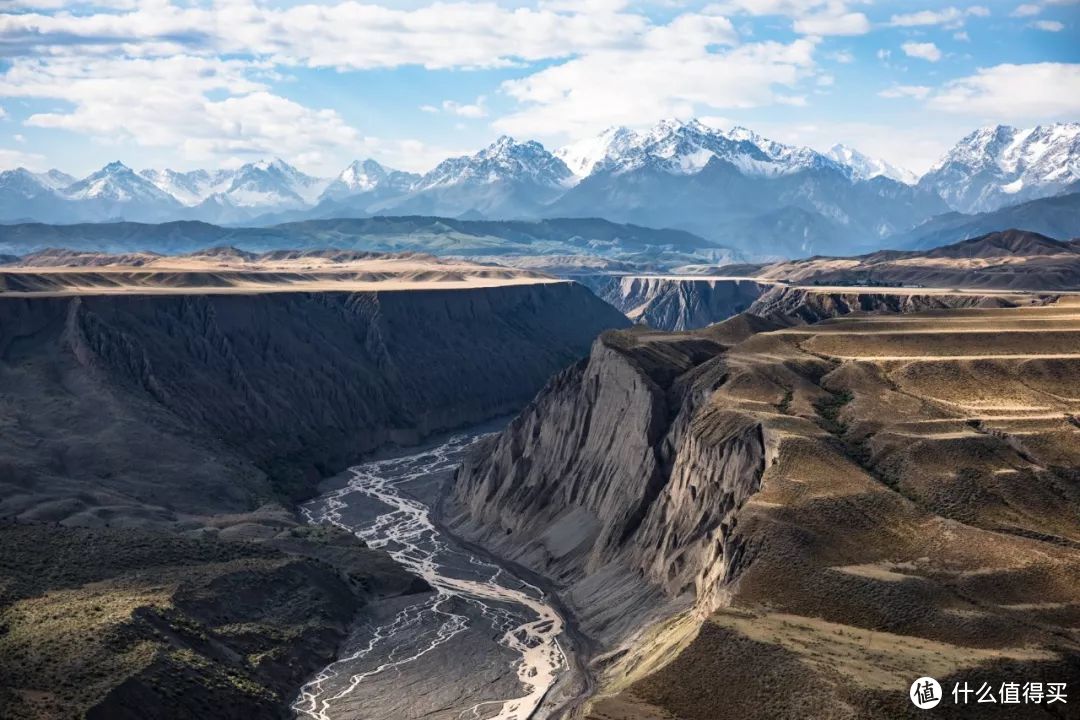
(842,507)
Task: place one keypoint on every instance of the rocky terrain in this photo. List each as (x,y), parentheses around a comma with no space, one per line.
(152,444)
(669,302)
(1005,260)
(816,514)
(997,269)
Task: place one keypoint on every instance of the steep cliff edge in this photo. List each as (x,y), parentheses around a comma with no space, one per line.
(234,400)
(809,517)
(811,304)
(677,302)
(612,484)
(149,445)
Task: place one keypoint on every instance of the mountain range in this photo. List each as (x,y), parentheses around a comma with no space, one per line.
(735,188)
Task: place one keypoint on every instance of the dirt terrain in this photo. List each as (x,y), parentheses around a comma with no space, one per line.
(228,270)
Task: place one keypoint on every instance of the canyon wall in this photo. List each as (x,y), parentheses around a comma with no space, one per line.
(231,400)
(677,303)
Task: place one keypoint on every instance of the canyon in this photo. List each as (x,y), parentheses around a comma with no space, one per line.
(155,441)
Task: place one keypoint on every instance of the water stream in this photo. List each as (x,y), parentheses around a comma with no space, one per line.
(484,645)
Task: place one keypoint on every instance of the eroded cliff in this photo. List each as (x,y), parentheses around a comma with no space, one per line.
(811,516)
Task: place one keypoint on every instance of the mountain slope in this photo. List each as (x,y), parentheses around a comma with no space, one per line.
(116,191)
(864,167)
(505,180)
(997,166)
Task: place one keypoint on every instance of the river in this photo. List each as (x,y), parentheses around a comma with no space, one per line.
(485,645)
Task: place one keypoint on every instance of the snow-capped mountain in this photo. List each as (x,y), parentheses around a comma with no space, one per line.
(734,187)
(505,160)
(368,176)
(507,180)
(997,166)
(864,167)
(54,179)
(22,183)
(685,148)
(117,183)
(192,187)
(272,184)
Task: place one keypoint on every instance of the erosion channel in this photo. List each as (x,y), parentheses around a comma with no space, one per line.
(488,642)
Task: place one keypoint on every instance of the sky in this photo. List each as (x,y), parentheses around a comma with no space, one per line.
(216,83)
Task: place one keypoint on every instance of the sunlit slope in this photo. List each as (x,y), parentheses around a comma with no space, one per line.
(917,514)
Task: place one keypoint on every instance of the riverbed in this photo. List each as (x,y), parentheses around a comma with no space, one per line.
(486,644)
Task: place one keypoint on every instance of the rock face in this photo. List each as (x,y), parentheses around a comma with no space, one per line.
(611,485)
(811,305)
(678,303)
(834,507)
(236,399)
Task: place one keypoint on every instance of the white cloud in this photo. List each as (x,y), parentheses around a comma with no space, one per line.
(344,34)
(962,36)
(586,94)
(3,113)
(466,110)
(884,55)
(1026,10)
(902,91)
(852,23)
(951,17)
(925,51)
(811,17)
(174,103)
(1035,92)
(844,57)
(1048,25)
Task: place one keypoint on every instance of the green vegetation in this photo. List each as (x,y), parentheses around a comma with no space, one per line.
(96,621)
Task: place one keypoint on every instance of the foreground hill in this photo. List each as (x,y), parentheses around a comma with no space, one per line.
(810,517)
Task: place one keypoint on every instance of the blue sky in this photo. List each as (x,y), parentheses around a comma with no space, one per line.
(214,83)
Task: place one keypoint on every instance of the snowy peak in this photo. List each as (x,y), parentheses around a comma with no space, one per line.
(117,183)
(864,167)
(190,188)
(504,160)
(270,184)
(22,183)
(1003,165)
(54,179)
(686,147)
(368,176)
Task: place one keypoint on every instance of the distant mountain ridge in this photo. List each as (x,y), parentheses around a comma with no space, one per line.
(736,187)
(439,236)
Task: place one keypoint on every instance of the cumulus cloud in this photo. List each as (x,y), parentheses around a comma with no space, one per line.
(670,78)
(1048,25)
(1036,91)
(922,50)
(171,102)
